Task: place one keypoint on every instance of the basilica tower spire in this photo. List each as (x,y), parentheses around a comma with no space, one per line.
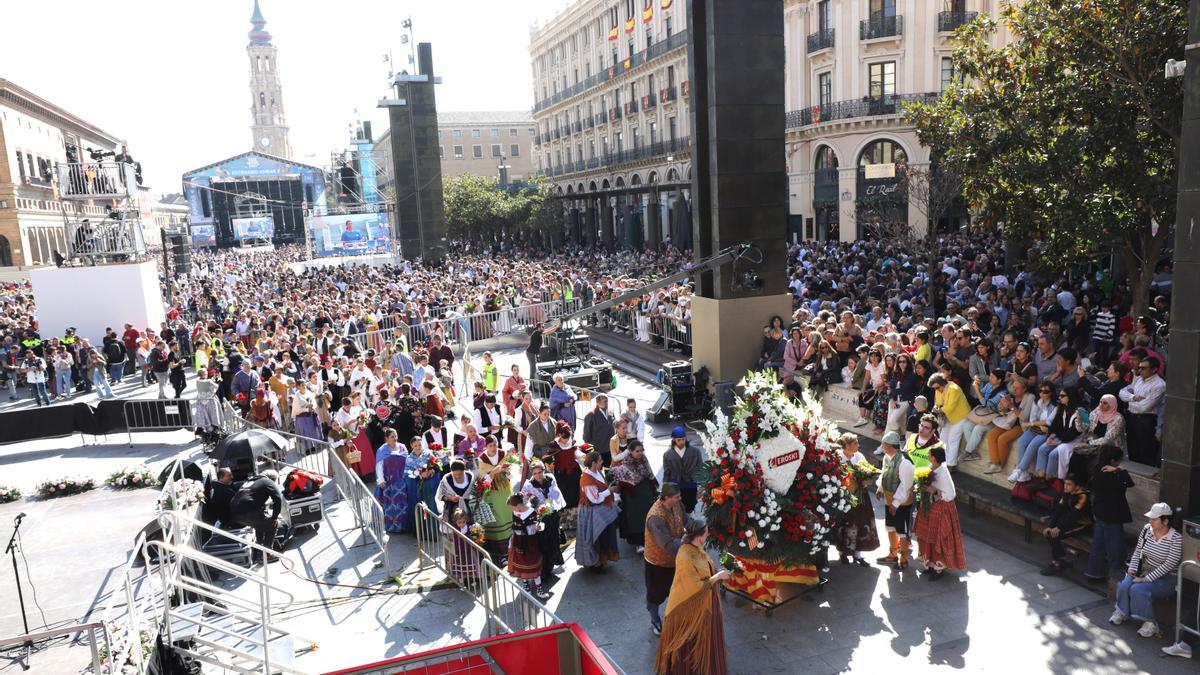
(268,123)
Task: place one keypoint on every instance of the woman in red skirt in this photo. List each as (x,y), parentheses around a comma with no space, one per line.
(939,537)
(524,550)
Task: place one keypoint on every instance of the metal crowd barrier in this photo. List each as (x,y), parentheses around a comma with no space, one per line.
(509,607)
(666,330)
(168,414)
(91,629)
(1180,626)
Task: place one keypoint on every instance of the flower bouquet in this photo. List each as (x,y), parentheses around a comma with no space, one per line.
(131,477)
(475,532)
(65,486)
(9,494)
(858,475)
(124,652)
(729,562)
(483,511)
(543,511)
(181,494)
(923,478)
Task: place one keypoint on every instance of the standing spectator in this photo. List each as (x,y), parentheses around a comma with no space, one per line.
(1104,331)
(62,362)
(1151,571)
(176,376)
(160,365)
(97,374)
(1144,397)
(950,401)
(116,354)
(1110,511)
(130,339)
(34,369)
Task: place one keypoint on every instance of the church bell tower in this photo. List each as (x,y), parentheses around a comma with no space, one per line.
(268,126)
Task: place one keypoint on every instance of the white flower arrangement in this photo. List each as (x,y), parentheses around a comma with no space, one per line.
(181,494)
(131,477)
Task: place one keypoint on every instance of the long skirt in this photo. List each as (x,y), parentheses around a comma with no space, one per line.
(635,504)
(596,536)
(462,559)
(496,534)
(857,532)
(550,544)
(420,491)
(309,426)
(207,415)
(524,557)
(365,466)
(394,498)
(679,661)
(568,483)
(939,536)
(879,410)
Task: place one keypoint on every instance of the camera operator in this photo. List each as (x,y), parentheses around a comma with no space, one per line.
(250,504)
(34,368)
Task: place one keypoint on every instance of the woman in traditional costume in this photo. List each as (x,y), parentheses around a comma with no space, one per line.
(392,487)
(856,532)
(939,535)
(422,479)
(596,532)
(454,490)
(693,634)
(493,467)
(542,490)
(524,551)
(639,489)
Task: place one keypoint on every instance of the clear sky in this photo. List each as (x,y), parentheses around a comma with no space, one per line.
(172,76)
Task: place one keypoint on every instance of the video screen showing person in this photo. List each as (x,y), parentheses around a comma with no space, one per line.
(262,227)
(351,234)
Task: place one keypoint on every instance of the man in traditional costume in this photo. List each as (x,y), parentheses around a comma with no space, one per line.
(895,490)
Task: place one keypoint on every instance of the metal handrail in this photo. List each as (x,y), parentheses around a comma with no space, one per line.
(1179,626)
(91,629)
(217,563)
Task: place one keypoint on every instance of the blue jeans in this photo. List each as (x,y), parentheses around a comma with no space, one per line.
(1026,448)
(1043,454)
(64,382)
(40,395)
(1108,549)
(102,388)
(115,372)
(1137,600)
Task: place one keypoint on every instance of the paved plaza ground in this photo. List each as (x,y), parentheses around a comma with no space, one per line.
(1001,616)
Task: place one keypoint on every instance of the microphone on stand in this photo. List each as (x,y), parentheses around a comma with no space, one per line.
(20,516)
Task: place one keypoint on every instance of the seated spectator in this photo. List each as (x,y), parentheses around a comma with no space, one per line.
(1069,516)
(1151,571)
(1104,426)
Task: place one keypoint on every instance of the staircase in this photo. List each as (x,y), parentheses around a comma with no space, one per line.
(638,359)
(211,609)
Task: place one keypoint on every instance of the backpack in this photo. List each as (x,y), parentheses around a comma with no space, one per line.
(158,359)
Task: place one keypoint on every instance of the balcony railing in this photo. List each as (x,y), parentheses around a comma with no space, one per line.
(602,118)
(667,95)
(652,151)
(656,50)
(589,122)
(880,27)
(614,114)
(822,39)
(950,21)
(867,107)
(557,133)
(578,127)
(631,107)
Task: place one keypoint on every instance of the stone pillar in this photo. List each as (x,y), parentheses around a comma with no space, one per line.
(736,63)
(606,222)
(1180,476)
(653,221)
(848,208)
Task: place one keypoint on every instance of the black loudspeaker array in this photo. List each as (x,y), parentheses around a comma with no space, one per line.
(179,249)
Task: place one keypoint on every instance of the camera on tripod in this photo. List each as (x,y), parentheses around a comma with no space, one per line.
(98,155)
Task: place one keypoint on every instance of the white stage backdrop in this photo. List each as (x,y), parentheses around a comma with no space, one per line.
(93,298)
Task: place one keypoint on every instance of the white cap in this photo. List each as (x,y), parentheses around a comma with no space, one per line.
(1159,510)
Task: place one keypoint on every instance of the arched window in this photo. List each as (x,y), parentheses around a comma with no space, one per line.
(882,151)
(262,100)
(826,159)
(267,63)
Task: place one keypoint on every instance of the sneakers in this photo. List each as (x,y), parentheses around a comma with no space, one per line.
(1018,476)
(1149,630)
(888,560)
(970,456)
(1117,618)
(1178,649)
(656,628)
(993,468)
(541,593)
(862,422)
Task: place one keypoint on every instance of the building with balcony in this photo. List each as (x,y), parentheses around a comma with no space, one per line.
(478,143)
(612,121)
(853,67)
(35,137)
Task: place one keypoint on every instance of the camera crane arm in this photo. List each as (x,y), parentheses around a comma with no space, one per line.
(725,257)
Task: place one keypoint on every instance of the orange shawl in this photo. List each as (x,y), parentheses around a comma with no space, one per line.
(689,615)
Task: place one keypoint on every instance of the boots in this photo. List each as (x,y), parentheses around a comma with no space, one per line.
(893,546)
(902,562)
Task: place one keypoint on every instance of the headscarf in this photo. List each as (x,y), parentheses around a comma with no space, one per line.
(1106,416)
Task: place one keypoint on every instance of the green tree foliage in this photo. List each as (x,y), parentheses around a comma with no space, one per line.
(1070,133)
(479,210)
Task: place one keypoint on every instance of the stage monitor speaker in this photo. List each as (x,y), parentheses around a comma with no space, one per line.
(725,396)
(658,412)
(191,470)
(153,531)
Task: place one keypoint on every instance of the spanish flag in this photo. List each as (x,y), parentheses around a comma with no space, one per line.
(627,63)
(612,34)
(666,4)
(647,14)
(629,25)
